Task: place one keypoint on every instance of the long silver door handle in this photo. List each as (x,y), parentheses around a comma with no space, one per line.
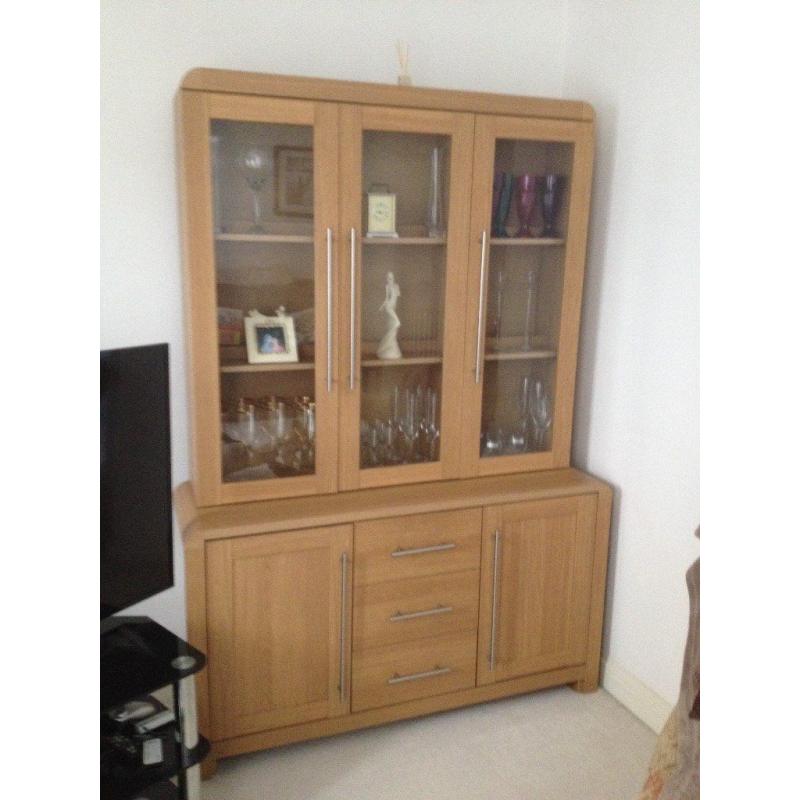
(418,676)
(352,308)
(329,305)
(494,599)
(343,631)
(480,309)
(401,617)
(415,551)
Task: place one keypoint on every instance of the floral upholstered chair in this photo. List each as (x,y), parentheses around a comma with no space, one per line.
(675,767)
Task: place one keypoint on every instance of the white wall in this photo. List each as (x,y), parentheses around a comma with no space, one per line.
(637,409)
(147,46)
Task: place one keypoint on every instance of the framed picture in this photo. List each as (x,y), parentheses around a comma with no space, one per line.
(294,181)
(270,340)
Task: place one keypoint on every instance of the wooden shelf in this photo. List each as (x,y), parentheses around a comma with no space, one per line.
(512,241)
(401,362)
(418,240)
(267,238)
(524,355)
(289,366)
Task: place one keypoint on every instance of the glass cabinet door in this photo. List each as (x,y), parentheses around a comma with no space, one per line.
(527,247)
(405,210)
(269,410)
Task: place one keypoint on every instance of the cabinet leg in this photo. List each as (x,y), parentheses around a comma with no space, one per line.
(208,767)
(586,685)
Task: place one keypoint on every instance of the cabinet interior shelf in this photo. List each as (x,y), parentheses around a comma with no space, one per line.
(400,362)
(524,241)
(418,240)
(523,355)
(275,238)
(289,366)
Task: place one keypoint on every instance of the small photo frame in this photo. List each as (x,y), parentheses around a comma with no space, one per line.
(294,181)
(270,340)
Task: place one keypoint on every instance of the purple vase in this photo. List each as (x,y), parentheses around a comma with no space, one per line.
(526,203)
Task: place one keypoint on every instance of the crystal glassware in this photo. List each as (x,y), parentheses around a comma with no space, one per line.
(495,326)
(503,205)
(493,441)
(530,311)
(497,188)
(526,186)
(551,203)
(254,165)
(541,415)
(435,203)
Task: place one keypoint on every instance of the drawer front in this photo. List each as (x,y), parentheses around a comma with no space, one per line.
(383,676)
(399,611)
(417,545)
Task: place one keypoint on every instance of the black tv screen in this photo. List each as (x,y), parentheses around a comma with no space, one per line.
(135,476)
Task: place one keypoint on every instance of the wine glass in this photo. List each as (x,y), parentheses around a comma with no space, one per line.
(541,415)
(526,203)
(520,436)
(493,441)
(551,203)
(503,205)
(254,164)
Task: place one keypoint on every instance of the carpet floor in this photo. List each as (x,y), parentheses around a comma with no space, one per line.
(552,745)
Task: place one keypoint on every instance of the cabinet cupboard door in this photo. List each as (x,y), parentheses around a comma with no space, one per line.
(536,576)
(259,185)
(279,607)
(405,190)
(530,204)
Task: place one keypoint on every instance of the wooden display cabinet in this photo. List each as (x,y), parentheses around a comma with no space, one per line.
(275,177)
(375,533)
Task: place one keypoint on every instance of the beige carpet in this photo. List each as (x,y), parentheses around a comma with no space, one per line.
(553,745)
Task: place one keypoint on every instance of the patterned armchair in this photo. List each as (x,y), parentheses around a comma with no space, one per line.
(675,767)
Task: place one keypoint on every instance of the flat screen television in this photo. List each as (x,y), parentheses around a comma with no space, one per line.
(135,476)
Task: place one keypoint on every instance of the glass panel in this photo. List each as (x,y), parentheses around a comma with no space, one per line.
(263,212)
(525,280)
(404,258)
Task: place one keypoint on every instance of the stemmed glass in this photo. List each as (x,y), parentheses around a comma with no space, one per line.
(255,166)
(409,427)
(519,440)
(527,186)
(551,203)
(429,430)
(541,415)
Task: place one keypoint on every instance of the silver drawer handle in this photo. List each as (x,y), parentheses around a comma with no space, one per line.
(400,616)
(415,551)
(418,676)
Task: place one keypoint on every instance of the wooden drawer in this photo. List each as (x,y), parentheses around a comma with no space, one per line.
(383,676)
(399,611)
(417,545)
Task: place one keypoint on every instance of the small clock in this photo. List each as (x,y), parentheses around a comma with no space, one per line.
(381,213)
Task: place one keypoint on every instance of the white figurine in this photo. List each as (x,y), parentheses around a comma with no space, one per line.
(388,347)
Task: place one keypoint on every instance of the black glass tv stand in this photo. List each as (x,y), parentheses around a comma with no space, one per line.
(137,657)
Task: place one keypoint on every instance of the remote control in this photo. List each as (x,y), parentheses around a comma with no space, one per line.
(156,721)
(136,709)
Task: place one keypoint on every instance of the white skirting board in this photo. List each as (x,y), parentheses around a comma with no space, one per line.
(637,697)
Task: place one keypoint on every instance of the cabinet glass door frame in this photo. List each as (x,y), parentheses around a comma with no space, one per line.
(354,122)
(197,110)
(488,130)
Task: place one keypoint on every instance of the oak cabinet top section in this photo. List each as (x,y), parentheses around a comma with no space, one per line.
(256,83)
(243,519)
